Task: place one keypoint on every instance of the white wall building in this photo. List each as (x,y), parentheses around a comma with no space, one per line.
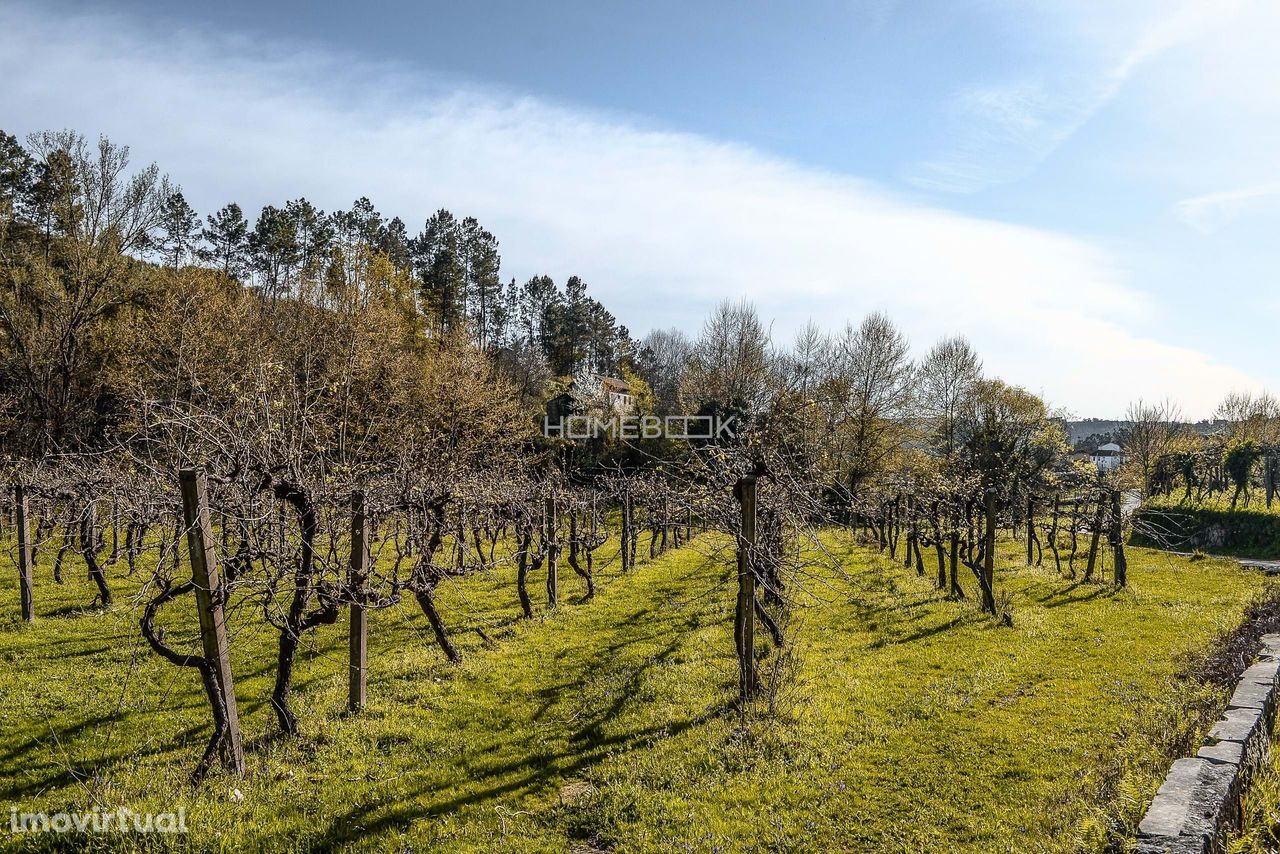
(1107,457)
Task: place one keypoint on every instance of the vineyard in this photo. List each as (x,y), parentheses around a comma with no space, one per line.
(501,703)
(611,721)
(294,546)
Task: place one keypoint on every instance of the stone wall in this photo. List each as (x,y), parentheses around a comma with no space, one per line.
(1199,802)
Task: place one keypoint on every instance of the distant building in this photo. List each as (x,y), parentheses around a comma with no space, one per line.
(1107,457)
(619,392)
(592,394)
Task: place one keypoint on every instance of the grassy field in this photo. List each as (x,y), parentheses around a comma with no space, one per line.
(1212,526)
(1260,829)
(1221,502)
(909,723)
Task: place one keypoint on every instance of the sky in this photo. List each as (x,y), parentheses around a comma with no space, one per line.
(1089,191)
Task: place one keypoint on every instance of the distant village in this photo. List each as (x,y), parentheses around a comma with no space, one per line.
(1102,442)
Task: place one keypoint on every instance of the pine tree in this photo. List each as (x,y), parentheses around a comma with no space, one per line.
(227,236)
(56,207)
(439,264)
(179,229)
(313,232)
(17,173)
(273,247)
(483,287)
(536,303)
(393,241)
(571,319)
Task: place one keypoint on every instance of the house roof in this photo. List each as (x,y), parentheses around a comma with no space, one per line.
(1109,448)
(614,384)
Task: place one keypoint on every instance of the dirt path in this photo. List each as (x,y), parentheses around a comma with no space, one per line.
(1271,567)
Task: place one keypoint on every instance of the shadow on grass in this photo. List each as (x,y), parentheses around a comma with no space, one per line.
(922,634)
(1076,593)
(534,772)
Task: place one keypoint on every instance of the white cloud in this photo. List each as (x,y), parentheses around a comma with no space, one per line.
(1000,132)
(1212,211)
(661,224)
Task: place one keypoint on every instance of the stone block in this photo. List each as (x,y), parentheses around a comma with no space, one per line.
(1230,752)
(1171,812)
(1173,845)
(1262,671)
(1254,695)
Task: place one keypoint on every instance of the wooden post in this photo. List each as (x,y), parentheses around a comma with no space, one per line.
(911,531)
(625,537)
(666,526)
(1053,535)
(1031,527)
(357,580)
(744,621)
(1117,540)
(553,553)
(1269,478)
(1098,517)
(209,594)
(24,552)
(989,554)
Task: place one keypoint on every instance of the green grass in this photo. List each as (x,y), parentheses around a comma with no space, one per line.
(1259,831)
(1220,502)
(909,723)
(1212,526)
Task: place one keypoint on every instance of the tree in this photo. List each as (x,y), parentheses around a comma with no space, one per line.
(605,339)
(393,242)
(534,306)
(274,250)
(179,229)
(663,357)
(227,236)
(66,291)
(1251,417)
(873,387)
(438,260)
(313,232)
(1239,459)
(1151,433)
(569,328)
(483,289)
(1007,438)
(947,377)
(728,366)
(17,174)
(363,223)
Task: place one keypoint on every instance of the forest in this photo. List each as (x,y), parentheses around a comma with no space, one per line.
(283,486)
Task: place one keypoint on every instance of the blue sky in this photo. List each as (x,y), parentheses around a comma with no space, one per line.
(1089,191)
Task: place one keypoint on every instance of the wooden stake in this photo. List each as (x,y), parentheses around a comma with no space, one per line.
(1097,535)
(989,553)
(209,602)
(553,553)
(744,621)
(1031,527)
(1117,540)
(24,552)
(357,580)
